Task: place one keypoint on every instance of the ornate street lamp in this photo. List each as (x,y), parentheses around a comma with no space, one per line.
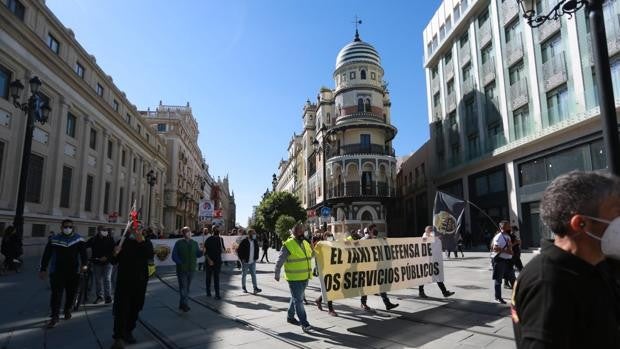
(600,57)
(151,180)
(274,182)
(36,109)
(322,148)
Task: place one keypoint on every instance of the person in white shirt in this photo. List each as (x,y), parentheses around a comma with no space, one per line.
(248,254)
(430,234)
(501,257)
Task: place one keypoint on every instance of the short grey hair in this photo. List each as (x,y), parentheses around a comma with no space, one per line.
(574,193)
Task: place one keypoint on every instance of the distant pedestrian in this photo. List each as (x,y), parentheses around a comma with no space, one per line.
(429,233)
(248,255)
(206,233)
(265,242)
(132,258)
(568,296)
(459,246)
(328,236)
(296,258)
(185,254)
(11,249)
(373,233)
(67,253)
(102,248)
(501,259)
(516,248)
(214,247)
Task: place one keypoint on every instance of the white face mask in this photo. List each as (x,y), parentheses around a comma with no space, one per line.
(188,234)
(67,231)
(104,233)
(330,238)
(610,241)
(253,237)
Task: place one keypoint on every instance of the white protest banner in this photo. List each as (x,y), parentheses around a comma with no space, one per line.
(163,249)
(363,267)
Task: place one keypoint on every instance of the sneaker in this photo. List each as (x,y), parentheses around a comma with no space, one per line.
(332,313)
(422,295)
(130,339)
(500,300)
(118,344)
(98,300)
(448,294)
(391,306)
(306,329)
(318,304)
(292,321)
(52,323)
(365,307)
(257,290)
(108,300)
(67,314)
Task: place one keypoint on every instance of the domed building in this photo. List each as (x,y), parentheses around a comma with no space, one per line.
(350,165)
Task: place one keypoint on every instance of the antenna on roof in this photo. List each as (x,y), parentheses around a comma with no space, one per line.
(357,22)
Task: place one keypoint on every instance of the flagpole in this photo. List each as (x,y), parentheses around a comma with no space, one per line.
(484,213)
(129,221)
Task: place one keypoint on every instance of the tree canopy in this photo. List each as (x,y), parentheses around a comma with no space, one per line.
(273,206)
(283,226)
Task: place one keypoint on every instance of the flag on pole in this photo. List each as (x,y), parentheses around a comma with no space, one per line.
(447,218)
(132,221)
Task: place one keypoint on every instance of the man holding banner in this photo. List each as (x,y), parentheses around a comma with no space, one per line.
(428,233)
(296,257)
(185,254)
(372,234)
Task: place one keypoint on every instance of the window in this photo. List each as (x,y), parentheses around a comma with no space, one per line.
(373,76)
(487,54)
(466,72)
(521,121)
(566,161)
(128,118)
(79,70)
(106,198)
(436,100)
(110,149)
(65,189)
(367,105)
(53,44)
(450,87)
(457,12)
(148,137)
(447,58)
(482,19)
(71,123)
(88,197)
(434,72)
(123,157)
(442,31)
(551,48)
(38,230)
(463,40)
(161,127)
(93,139)
(429,48)
(34,179)
(352,75)
(134,165)
(513,31)
(363,74)
(17,8)
(360,105)
(516,73)
(120,200)
(557,105)
(115,105)
(99,90)
(365,139)
(139,129)
(5,81)
(329,119)
(435,43)
(599,158)
(448,24)
(473,143)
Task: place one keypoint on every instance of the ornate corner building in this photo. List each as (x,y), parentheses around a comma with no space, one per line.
(348,163)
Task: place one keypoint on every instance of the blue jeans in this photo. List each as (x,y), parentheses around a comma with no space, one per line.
(297,301)
(103,279)
(185,280)
(248,267)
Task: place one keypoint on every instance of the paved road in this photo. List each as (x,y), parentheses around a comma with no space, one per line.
(469,319)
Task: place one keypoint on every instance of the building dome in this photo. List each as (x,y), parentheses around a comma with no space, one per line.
(357,51)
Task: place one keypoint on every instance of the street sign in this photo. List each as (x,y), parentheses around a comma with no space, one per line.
(326,211)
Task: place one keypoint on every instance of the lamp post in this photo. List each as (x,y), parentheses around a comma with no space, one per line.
(274,182)
(151,179)
(601,64)
(322,148)
(36,109)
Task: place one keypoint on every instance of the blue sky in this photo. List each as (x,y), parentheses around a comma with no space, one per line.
(247,68)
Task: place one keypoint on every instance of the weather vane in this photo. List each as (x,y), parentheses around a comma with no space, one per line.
(357,22)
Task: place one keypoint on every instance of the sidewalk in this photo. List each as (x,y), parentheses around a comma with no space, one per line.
(469,319)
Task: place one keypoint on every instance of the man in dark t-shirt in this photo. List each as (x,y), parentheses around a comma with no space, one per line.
(568,297)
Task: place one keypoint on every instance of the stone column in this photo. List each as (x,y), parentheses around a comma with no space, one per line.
(101,176)
(81,171)
(56,159)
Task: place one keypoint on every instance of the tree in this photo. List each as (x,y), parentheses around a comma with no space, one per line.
(275,205)
(283,226)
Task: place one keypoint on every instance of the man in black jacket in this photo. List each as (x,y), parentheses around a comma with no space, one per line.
(67,253)
(102,247)
(133,258)
(214,247)
(248,254)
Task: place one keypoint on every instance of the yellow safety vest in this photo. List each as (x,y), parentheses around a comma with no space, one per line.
(298,265)
(349,238)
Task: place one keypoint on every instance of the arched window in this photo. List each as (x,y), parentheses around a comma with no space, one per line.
(366,216)
(329,119)
(367,105)
(360,105)
(363,74)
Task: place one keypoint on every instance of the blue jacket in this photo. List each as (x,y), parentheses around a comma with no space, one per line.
(64,254)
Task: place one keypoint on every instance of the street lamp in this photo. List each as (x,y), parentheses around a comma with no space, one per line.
(36,109)
(322,148)
(274,182)
(600,57)
(151,179)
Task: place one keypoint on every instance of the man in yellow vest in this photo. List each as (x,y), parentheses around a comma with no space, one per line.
(296,257)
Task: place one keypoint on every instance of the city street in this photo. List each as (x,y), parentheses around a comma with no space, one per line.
(469,319)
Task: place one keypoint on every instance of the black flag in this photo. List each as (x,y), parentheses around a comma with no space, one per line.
(447,218)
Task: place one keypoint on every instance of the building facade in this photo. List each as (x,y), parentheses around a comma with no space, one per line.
(89,161)
(511,107)
(346,144)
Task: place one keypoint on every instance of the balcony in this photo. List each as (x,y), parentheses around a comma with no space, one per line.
(464,55)
(488,71)
(360,116)
(514,51)
(548,29)
(613,42)
(554,71)
(519,95)
(448,71)
(359,189)
(510,10)
(468,86)
(359,148)
(450,102)
(435,84)
(495,141)
(484,34)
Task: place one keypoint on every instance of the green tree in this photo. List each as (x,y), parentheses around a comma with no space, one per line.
(275,205)
(283,226)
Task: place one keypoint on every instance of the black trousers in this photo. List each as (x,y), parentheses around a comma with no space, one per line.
(265,256)
(63,283)
(128,301)
(441,285)
(213,271)
(384,296)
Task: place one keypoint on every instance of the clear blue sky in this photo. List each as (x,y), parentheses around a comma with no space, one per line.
(247,68)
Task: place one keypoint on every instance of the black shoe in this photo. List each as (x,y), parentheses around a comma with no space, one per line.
(507,286)
(130,339)
(423,295)
(118,344)
(365,307)
(208,294)
(184,308)
(67,314)
(52,323)
(98,300)
(257,290)
(292,321)
(245,291)
(448,294)
(391,306)
(108,300)
(306,329)
(217,296)
(500,300)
